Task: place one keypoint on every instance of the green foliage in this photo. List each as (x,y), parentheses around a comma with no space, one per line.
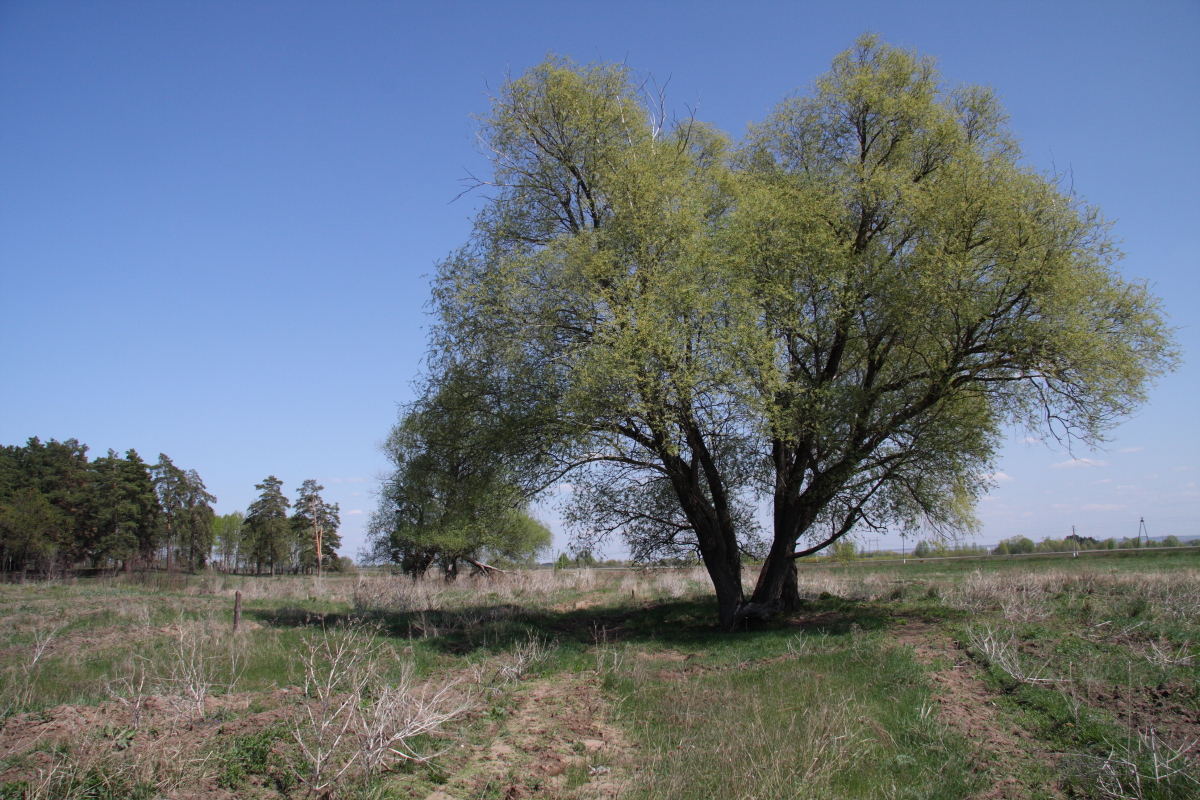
(447,501)
(32,529)
(1017,545)
(59,509)
(187,513)
(252,754)
(843,311)
(845,550)
(229,534)
(268,528)
(312,513)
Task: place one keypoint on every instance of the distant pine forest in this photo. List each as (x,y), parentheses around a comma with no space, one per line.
(61,512)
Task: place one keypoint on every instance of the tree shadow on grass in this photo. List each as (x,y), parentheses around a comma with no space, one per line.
(686,623)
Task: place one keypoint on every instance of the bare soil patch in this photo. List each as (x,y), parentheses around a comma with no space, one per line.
(556,740)
(967,705)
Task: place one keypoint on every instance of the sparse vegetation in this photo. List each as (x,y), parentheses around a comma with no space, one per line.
(1036,677)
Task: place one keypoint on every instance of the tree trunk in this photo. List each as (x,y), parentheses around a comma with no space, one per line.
(777,580)
(790,596)
(728,586)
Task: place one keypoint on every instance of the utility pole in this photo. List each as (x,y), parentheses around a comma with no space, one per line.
(1075,540)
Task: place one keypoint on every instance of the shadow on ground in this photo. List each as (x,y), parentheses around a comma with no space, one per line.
(681,623)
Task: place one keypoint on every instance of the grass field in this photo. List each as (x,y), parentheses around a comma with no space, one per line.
(1018,679)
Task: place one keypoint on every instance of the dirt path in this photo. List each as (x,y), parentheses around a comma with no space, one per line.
(967,705)
(555,741)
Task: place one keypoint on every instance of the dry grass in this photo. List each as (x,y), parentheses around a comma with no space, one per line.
(111,688)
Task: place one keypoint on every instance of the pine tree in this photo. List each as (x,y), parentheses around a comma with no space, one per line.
(196,527)
(138,487)
(268,524)
(170,484)
(314,525)
(114,513)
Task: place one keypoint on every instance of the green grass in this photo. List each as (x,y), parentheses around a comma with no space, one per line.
(821,703)
(847,717)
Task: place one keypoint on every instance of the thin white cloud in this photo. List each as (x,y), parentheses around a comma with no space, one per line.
(1080,462)
(354,513)
(1031,440)
(1130,449)
(999,477)
(1104,507)
(1102,480)
(1182,469)
(1062,506)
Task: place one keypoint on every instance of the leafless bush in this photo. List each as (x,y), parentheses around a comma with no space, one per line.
(18,691)
(1137,769)
(609,659)
(975,594)
(395,594)
(130,688)
(1162,654)
(353,716)
(999,649)
(397,713)
(525,657)
(671,584)
(337,667)
(195,662)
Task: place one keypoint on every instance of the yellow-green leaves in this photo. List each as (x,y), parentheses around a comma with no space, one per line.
(839,312)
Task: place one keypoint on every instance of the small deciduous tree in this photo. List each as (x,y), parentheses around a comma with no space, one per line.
(31,530)
(446,502)
(229,537)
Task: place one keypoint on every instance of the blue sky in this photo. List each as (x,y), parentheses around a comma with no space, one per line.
(218,219)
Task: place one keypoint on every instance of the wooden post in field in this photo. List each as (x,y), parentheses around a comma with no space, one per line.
(237,610)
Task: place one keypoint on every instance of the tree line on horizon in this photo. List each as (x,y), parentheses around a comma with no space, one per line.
(60,510)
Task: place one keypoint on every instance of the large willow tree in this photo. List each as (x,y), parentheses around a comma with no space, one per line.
(841,313)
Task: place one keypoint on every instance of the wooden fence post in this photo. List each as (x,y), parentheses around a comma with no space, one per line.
(237,610)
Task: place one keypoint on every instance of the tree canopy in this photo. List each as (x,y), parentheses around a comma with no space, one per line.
(313,518)
(842,312)
(267,526)
(58,509)
(452,496)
